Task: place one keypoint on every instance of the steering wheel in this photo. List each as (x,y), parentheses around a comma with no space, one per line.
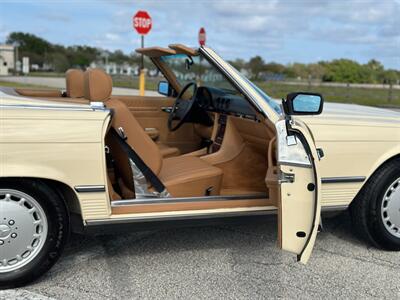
(182,107)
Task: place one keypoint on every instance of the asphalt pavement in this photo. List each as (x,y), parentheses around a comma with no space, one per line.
(218,262)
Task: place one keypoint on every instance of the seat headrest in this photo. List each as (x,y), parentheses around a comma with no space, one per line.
(74,83)
(97,85)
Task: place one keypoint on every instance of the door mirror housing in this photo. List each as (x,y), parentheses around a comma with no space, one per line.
(303,103)
(164,88)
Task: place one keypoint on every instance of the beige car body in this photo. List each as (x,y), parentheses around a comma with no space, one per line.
(64,144)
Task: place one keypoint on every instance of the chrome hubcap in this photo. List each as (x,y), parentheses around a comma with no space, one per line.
(390,210)
(23,229)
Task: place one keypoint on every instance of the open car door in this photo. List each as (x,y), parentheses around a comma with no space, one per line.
(299,207)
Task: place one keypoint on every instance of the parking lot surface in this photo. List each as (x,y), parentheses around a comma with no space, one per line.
(214,262)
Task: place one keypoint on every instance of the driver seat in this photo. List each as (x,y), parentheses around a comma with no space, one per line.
(183,176)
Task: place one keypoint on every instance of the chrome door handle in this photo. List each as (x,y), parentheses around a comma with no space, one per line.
(167,109)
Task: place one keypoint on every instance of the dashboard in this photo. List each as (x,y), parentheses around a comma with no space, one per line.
(223,101)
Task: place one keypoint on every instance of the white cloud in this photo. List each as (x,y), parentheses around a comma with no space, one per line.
(112,37)
(282,30)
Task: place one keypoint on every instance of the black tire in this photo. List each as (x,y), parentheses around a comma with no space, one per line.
(366,208)
(58,231)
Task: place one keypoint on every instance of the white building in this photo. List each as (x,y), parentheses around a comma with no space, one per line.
(7,58)
(117,69)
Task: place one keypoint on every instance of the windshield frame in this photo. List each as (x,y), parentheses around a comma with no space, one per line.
(218,79)
(244,85)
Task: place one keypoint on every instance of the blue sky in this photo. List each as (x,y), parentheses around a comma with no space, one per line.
(279,30)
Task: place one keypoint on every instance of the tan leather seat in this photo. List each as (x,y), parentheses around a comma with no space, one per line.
(167,151)
(190,176)
(182,176)
(74,83)
(75,89)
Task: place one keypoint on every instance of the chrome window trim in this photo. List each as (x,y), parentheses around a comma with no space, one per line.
(230,77)
(294,154)
(248,91)
(118,203)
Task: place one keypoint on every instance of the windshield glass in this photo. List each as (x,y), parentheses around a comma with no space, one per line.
(196,68)
(274,104)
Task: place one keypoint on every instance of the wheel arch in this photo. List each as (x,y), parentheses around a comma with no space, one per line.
(66,193)
(375,169)
(382,163)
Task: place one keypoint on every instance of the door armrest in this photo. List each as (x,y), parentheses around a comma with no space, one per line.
(153,133)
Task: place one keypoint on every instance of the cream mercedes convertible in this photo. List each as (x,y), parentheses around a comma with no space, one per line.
(210,147)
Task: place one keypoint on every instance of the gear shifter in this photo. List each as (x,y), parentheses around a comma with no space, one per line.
(206,143)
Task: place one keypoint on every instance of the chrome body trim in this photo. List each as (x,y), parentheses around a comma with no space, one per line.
(178,217)
(45,107)
(97,105)
(345,179)
(53,107)
(90,188)
(186,199)
(285,163)
(333,208)
(294,154)
(268,211)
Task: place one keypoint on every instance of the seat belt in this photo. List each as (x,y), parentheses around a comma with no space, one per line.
(147,172)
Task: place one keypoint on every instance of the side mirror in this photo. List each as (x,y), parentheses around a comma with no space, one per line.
(303,103)
(164,88)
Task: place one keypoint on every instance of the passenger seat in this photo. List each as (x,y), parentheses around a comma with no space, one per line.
(183,176)
(75,89)
(74,83)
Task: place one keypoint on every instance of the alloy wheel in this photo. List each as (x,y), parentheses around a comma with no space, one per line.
(23,229)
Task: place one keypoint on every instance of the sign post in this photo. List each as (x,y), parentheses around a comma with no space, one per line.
(142,23)
(25,65)
(202,42)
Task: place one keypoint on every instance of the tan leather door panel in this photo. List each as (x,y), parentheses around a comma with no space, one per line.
(148,112)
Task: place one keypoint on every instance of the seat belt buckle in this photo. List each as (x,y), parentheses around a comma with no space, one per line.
(122,134)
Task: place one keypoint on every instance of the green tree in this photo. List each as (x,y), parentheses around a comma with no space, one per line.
(297,70)
(344,70)
(256,65)
(316,71)
(274,67)
(30,45)
(238,63)
(59,61)
(390,77)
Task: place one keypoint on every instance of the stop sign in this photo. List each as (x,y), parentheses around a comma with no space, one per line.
(202,36)
(142,22)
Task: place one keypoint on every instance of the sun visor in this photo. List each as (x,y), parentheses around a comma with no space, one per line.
(182,49)
(155,51)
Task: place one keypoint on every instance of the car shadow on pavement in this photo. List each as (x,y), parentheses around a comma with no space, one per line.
(204,237)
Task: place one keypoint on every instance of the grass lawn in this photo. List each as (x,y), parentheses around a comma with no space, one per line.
(23,85)
(46,74)
(133,83)
(364,96)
